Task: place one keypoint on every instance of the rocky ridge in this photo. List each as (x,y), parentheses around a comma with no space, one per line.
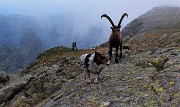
(148,78)
(139,80)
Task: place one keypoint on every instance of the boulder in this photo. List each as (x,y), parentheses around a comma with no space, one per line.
(20,102)
(13,87)
(158,63)
(3,76)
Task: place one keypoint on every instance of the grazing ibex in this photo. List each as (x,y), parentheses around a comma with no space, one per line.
(115,39)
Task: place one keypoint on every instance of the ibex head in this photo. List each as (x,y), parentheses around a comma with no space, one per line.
(114,27)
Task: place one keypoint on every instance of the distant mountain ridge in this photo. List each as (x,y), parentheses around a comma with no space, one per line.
(17,32)
(158,18)
(158,27)
(53,30)
(13,58)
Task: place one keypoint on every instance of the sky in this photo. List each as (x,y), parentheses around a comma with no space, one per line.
(87,8)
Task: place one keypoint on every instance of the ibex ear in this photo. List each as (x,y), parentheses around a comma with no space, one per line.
(111,27)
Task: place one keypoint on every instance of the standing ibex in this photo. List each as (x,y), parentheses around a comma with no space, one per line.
(115,39)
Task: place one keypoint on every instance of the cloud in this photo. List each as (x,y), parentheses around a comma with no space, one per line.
(91,8)
(85,14)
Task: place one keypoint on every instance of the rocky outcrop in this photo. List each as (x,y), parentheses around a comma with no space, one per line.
(20,102)
(39,83)
(15,85)
(148,78)
(3,76)
(126,84)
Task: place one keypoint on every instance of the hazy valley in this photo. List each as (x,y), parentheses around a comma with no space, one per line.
(23,38)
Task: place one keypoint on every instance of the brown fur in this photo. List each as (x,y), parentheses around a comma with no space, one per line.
(115,39)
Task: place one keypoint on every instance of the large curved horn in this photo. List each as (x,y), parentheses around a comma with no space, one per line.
(105,15)
(125,14)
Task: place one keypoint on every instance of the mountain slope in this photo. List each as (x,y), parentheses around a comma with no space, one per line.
(159,27)
(141,78)
(56,78)
(125,84)
(154,20)
(13,58)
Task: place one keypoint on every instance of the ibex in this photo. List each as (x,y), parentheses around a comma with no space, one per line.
(115,39)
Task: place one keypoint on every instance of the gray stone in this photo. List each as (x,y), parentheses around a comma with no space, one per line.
(3,76)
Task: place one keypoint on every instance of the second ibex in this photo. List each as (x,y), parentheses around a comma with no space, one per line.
(115,39)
